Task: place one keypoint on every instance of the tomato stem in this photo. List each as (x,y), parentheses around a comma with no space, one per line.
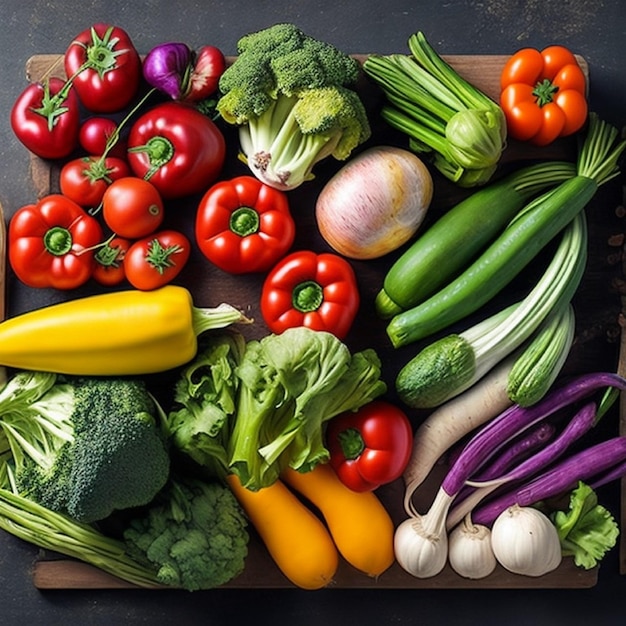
(57,241)
(307,296)
(101,53)
(110,256)
(244,221)
(352,444)
(52,106)
(160,257)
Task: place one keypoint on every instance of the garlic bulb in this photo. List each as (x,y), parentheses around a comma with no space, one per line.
(525,541)
(421,541)
(469,550)
(420,553)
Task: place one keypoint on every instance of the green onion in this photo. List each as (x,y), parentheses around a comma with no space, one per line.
(47,529)
(534,372)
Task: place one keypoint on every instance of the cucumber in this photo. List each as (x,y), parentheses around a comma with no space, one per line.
(454,240)
(504,259)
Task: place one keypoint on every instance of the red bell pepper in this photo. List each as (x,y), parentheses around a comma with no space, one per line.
(370,447)
(104,67)
(51,243)
(46,118)
(177,148)
(318,291)
(543,94)
(244,226)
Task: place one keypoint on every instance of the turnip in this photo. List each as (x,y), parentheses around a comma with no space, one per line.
(374,203)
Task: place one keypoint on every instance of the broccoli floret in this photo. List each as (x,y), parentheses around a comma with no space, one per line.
(194,533)
(85,447)
(291,96)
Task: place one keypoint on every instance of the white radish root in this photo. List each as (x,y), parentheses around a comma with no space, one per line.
(452,421)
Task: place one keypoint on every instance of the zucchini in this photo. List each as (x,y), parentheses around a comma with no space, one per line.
(461,234)
(504,259)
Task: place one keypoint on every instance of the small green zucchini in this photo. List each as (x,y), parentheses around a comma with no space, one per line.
(496,267)
(457,237)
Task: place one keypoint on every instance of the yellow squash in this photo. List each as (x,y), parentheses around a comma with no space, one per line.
(294,536)
(359,524)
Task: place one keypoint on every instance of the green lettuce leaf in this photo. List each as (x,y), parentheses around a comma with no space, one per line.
(205,402)
(587,530)
(290,385)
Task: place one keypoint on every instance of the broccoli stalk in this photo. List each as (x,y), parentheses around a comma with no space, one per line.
(85,447)
(291,96)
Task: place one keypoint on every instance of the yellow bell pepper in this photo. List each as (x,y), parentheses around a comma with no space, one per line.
(114,334)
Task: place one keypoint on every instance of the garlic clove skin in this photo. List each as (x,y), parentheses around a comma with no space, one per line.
(470,552)
(525,541)
(420,553)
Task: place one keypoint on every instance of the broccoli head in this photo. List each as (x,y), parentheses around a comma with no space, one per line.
(279,70)
(85,447)
(194,533)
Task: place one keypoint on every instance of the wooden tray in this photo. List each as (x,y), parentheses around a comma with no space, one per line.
(210,286)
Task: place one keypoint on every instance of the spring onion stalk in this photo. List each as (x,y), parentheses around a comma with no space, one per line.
(581,466)
(535,371)
(521,448)
(452,364)
(580,424)
(420,541)
(441,113)
(47,529)
(604,478)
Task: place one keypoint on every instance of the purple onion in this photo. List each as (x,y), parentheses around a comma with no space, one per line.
(167,68)
(517,452)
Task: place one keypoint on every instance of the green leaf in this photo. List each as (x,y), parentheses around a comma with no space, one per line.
(587,531)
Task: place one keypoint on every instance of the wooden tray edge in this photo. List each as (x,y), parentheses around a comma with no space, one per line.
(53,574)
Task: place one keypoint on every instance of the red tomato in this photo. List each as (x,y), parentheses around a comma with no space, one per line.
(156,260)
(108,268)
(85,179)
(106,68)
(94,135)
(132,207)
(45,118)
